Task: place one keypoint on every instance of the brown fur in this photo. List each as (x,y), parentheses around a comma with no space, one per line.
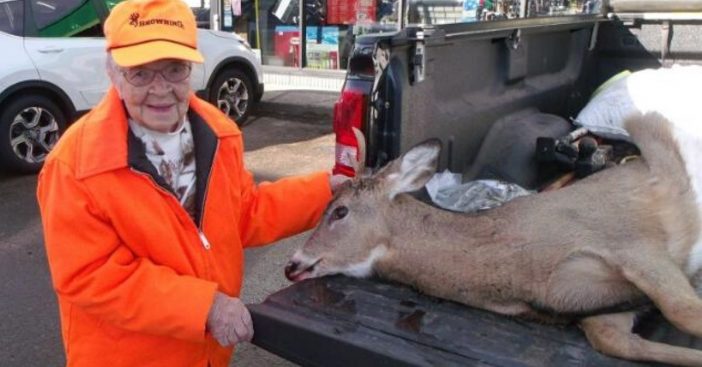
(618,237)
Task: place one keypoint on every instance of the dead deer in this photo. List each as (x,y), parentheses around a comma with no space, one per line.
(586,253)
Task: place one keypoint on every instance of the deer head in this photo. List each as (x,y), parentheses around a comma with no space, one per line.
(353,233)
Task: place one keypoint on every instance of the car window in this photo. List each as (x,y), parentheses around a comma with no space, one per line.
(11,17)
(50,11)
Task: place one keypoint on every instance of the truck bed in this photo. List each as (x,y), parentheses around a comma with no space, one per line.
(454,82)
(340,321)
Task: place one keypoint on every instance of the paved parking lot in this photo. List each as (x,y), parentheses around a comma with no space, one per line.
(291,133)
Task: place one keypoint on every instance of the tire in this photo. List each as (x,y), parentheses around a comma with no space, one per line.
(30,126)
(232,92)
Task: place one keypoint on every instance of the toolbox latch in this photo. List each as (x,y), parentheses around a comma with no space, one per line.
(418,61)
(516,56)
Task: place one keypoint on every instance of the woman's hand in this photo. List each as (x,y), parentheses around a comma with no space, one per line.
(229,321)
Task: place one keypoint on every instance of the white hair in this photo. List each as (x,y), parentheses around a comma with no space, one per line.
(113,70)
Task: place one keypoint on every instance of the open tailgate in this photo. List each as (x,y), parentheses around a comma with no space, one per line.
(339,321)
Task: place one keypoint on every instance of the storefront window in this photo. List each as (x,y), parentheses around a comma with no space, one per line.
(322,36)
(280,41)
(327,30)
(201,10)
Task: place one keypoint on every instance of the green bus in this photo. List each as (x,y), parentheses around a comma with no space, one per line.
(62,18)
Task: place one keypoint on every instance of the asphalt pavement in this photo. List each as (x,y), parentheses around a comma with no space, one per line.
(289,133)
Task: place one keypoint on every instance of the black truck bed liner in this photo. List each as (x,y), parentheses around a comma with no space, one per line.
(339,321)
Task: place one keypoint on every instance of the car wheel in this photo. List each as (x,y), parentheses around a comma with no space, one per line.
(30,126)
(233,94)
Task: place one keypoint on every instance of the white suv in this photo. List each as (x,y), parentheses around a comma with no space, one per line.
(47,82)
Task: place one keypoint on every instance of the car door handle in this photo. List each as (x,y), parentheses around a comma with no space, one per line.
(50,50)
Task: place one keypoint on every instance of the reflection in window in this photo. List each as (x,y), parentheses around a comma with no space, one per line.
(435,11)
(464,11)
(201,10)
(47,12)
(331,27)
(544,8)
(11,19)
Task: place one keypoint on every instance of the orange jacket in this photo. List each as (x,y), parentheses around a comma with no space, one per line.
(134,273)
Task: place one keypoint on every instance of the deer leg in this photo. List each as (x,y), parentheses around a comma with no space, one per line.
(667,286)
(611,334)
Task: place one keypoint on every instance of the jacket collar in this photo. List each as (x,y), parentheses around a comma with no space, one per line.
(104,134)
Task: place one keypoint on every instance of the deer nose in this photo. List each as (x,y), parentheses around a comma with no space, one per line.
(290,268)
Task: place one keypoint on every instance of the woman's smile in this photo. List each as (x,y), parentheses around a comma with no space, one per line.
(160,107)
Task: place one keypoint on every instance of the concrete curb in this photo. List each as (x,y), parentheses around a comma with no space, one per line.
(285,78)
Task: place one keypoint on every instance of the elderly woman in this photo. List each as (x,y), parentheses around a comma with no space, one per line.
(147,207)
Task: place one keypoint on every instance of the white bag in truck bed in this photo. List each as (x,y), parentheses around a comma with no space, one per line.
(672,92)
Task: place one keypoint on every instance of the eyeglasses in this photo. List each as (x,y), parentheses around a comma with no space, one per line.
(140,76)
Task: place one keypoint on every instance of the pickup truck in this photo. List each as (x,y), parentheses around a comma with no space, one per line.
(453,82)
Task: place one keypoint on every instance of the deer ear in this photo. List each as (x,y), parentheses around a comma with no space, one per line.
(414,169)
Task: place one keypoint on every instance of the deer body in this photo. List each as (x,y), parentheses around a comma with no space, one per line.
(588,252)
(518,258)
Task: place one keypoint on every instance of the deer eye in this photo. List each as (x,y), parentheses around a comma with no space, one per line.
(339,212)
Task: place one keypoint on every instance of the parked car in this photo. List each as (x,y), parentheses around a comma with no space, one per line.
(48,80)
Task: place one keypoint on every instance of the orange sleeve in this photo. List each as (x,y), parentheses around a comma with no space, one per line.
(275,210)
(92,269)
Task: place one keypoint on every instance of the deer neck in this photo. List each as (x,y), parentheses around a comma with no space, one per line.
(454,256)
(418,222)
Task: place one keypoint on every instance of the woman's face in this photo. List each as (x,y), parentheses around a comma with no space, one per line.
(155,94)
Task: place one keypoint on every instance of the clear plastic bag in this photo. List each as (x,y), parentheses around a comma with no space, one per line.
(447,191)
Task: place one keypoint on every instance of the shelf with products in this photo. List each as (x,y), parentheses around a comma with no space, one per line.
(322,48)
(351,12)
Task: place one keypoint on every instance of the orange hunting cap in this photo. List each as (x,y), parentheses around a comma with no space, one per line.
(142,31)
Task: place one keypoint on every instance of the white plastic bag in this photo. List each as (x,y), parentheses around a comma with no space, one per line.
(447,191)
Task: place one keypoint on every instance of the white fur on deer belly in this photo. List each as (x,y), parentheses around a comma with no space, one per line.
(672,92)
(691,152)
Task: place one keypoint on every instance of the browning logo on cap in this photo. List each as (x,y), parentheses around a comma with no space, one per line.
(134,21)
(142,31)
